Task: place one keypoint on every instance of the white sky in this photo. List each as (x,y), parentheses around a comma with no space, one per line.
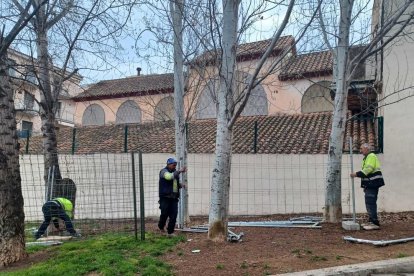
(159,64)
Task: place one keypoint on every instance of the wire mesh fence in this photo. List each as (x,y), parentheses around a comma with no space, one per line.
(108,197)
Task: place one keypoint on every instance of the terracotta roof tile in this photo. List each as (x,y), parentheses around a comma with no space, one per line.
(131,86)
(247,51)
(307,65)
(279,134)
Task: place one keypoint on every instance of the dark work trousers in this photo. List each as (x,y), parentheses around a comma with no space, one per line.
(371,196)
(169,209)
(51,209)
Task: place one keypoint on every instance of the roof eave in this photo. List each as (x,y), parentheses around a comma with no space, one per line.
(313,74)
(124,95)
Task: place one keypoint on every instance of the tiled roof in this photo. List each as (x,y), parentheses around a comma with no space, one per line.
(131,86)
(247,51)
(280,134)
(308,65)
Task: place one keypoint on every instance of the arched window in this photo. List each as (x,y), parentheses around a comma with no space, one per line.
(94,115)
(317,98)
(128,113)
(207,102)
(164,110)
(256,104)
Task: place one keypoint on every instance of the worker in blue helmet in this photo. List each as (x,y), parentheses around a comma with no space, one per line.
(169,192)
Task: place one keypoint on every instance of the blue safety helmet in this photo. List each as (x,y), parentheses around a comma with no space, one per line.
(171,161)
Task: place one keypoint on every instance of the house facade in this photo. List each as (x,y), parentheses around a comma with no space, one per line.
(286,77)
(135,99)
(395,75)
(27,95)
(299,85)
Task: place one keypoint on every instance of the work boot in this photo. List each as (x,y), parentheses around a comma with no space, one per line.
(76,235)
(370,226)
(36,235)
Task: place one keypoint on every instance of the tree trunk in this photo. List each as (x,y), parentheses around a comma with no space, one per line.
(177,10)
(220,183)
(220,187)
(50,153)
(333,208)
(12,244)
(48,102)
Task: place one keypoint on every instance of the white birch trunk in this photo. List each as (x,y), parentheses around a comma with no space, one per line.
(333,208)
(220,187)
(177,10)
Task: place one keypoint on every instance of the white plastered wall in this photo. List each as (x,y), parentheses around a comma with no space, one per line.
(397,109)
(260,184)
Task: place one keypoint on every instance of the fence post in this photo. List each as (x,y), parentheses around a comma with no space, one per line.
(352,180)
(134,193)
(255,137)
(47,190)
(73,140)
(27,141)
(126,139)
(141,196)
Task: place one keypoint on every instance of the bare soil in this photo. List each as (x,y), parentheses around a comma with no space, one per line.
(266,251)
(31,259)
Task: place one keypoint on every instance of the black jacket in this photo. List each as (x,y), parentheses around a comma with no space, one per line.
(166,183)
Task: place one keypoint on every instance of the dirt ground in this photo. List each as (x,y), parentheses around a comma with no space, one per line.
(27,262)
(266,251)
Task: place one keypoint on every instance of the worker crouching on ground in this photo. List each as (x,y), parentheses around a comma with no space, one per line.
(169,192)
(57,208)
(371,181)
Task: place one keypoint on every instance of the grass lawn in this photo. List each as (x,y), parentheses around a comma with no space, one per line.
(109,254)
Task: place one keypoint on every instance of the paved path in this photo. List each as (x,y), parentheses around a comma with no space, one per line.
(401,266)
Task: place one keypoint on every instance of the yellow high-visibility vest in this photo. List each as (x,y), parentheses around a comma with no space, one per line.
(66,204)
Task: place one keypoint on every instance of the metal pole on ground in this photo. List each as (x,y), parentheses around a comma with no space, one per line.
(134,193)
(141,196)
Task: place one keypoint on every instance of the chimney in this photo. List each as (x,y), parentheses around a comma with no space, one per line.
(138,71)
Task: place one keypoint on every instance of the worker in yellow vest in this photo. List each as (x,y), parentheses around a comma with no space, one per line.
(371,181)
(169,192)
(57,208)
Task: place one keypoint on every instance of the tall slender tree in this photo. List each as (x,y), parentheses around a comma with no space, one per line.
(12,241)
(333,208)
(221,172)
(179,37)
(71,24)
(177,11)
(344,72)
(230,102)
